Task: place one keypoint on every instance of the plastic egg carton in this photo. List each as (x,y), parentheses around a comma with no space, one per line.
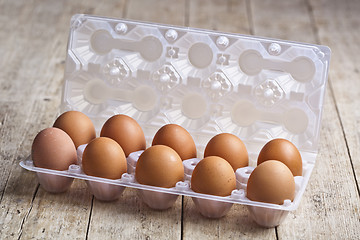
(265,214)
(208,82)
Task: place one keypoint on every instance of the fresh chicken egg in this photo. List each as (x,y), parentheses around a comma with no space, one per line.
(271,182)
(126,132)
(213,175)
(230,148)
(103,157)
(178,138)
(77,125)
(283,151)
(159,166)
(53,148)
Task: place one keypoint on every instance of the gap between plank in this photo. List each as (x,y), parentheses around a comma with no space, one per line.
(187,13)
(2,194)
(28,213)
(88,226)
(182,218)
(250,17)
(125,8)
(314,28)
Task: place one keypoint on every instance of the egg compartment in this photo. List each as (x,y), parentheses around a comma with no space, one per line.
(208,82)
(265,214)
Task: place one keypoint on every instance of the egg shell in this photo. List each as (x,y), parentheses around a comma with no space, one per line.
(52,148)
(283,151)
(213,175)
(177,138)
(126,132)
(103,157)
(159,166)
(77,125)
(230,148)
(271,182)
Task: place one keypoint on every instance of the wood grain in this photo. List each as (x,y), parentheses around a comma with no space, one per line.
(332,189)
(159,11)
(288,20)
(33,38)
(230,17)
(337,25)
(129,217)
(225,16)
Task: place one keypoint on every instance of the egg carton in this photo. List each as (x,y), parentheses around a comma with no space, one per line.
(265,214)
(205,81)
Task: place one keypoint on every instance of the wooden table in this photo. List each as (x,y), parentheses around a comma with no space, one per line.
(33,38)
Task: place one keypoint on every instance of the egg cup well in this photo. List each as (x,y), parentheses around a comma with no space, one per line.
(205,81)
(158,198)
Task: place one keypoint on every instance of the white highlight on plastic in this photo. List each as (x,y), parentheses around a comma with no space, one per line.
(129,178)
(222,41)
(171,35)
(242,176)
(73,168)
(182,186)
(121,28)
(274,49)
(189,165)
(80,152)
(132,160)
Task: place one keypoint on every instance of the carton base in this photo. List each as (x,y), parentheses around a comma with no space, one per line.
(267,217)
(157,200)
(212,209)
(105,191)
(54,183)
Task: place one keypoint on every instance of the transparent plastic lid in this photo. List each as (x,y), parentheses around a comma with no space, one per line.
(208,82)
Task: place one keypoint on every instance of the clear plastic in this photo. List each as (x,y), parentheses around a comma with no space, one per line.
(208,82)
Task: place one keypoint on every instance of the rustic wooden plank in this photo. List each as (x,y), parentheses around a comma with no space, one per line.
(161,11)
(337,24)
(33,41)
(231,16)
(331,199)
(329,208)
(129,217)
(54,215)
(282,19)
(24,62)
(20,187)
(226,16)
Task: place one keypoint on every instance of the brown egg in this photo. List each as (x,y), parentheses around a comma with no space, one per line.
(213,175)
(126,132)
(283,151)
(177,138)
(53,149)
(271,182)
(159,166)
(230,148)
(103,157)
(77,125)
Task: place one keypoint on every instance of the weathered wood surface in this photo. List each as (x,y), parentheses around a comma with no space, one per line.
(33,36)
